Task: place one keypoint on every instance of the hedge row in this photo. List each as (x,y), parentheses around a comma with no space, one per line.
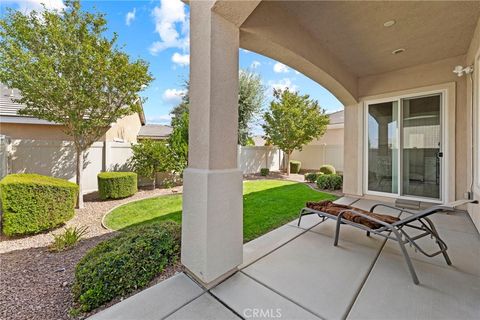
(34,203)
(116,185)
(129,261)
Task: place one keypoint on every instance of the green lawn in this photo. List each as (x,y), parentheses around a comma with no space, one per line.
(267,204)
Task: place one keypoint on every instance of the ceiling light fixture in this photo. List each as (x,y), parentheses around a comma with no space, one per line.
(397,51)
(389,23)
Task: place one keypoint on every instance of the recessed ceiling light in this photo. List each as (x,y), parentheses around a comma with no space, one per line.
(389,23)
(397,51)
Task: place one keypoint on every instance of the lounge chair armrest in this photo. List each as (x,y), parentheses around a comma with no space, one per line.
(383,223)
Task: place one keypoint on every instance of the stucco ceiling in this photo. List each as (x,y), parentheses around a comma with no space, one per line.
(354,31)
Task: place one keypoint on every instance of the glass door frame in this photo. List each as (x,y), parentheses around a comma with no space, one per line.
(443,145)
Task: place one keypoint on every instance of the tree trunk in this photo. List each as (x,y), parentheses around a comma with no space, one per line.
(288,163)
(79,173)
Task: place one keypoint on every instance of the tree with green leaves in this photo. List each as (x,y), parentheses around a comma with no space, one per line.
(178,143)
(293,121)
(69,73)
(149,157)
(251,97)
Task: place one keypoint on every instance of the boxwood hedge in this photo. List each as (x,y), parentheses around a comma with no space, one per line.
(33,203)
(116,185)
(127,262)
(295,166)
(330,181)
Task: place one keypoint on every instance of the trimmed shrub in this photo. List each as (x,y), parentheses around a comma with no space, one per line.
(129,261)
(330,181)
(116,185)
(33,203)
(312,176)
(295,166)
(328,169)
(264,172)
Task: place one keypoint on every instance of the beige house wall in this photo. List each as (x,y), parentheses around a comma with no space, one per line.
(125,129)
(473,97)
(33,131)
(326,150)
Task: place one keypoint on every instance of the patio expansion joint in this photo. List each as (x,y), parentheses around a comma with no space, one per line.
(225,305)
(305,230)
(282,295)
(355,297)
(190,300)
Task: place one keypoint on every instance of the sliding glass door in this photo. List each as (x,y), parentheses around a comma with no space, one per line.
(404,147)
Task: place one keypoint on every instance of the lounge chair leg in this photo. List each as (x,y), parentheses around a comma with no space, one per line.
(441,244)
(407,257)
(300,218)
(337,231)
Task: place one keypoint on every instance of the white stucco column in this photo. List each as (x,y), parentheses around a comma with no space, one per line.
(212,226)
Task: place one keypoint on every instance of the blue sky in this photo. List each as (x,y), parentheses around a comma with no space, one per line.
(158,32)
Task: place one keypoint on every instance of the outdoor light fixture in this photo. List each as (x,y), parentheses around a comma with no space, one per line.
(397,51)
(460,70)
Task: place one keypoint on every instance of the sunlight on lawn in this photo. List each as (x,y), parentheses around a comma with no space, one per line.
(267,204)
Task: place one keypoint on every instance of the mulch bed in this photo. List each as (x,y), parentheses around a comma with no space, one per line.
(36,283)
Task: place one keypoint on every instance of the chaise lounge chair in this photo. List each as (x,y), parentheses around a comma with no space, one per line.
(387,226)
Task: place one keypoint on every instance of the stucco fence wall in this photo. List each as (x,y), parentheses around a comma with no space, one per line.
(315,155)
(57,158)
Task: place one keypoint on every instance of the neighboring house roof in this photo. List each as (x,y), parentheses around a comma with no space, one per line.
(9,109)
(154,131)
(337,117)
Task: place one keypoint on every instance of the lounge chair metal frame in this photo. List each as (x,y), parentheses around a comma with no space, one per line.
(396,231)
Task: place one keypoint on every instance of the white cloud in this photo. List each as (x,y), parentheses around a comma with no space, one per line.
(171,24)
(280,68)
(181,59)
(26,6)
(245,50)
(159,119)
(173,96)
(130,16)
(282,85)
(296,72)
(255,64)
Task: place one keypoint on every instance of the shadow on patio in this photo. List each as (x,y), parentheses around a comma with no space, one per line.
(297,273)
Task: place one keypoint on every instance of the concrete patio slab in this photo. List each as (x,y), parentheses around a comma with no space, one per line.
(307,222)
(349,234)
(443,293)
(155,302)
(458,221)
(365,204)
(313,273)
(261,246)
(347,200)
(246,296)
(204,307)
(463,250)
